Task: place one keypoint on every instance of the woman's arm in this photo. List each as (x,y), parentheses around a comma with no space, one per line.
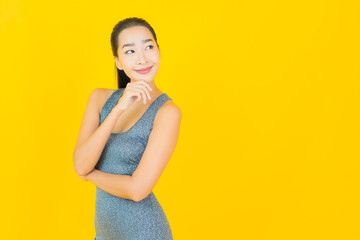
(161,145)
(159,149)
(117,185)
(92,137)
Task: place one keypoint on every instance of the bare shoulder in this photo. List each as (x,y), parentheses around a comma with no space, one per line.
(101,95)
(168,111)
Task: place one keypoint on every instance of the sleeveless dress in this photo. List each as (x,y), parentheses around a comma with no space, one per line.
(119,218)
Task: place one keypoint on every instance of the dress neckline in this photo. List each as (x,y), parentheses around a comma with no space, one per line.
(113,133)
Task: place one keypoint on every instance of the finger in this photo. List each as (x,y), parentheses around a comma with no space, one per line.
(138,95)
(146,91)
(143,96)
(134,91)
(145,84)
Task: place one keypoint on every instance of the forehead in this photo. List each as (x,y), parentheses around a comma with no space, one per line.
(134,35)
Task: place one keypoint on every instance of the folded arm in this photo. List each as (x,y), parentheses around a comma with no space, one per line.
(92,137)
(161,145)
(117,185)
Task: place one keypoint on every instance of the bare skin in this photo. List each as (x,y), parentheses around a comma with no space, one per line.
(133,113)
(138,96)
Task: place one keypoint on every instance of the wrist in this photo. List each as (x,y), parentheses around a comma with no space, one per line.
(118,109)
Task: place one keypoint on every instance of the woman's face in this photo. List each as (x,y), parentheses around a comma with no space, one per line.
(137,50)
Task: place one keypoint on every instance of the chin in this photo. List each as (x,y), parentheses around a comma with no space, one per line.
(145,79)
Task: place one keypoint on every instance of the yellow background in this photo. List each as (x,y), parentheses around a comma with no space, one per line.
(269,91)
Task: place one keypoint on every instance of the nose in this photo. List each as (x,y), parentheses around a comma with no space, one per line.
(141,58)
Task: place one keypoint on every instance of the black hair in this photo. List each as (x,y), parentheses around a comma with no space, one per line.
(122,78)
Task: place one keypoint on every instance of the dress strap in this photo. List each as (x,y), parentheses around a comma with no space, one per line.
(150,114)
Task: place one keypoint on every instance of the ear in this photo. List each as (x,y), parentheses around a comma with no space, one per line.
(118,65)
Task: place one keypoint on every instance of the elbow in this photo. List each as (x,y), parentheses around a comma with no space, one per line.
(79,169)
(76,164)
(138,196)
(138,191)
(134,192)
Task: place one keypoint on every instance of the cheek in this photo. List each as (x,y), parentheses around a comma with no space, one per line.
(128,61)
(155,57)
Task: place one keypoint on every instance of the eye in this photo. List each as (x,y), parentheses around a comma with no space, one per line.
(146,47)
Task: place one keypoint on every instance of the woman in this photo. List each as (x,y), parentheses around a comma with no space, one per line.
(126,138)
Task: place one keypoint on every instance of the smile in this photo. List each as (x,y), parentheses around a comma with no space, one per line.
(144,70)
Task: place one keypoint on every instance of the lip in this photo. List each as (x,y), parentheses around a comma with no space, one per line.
(144,70)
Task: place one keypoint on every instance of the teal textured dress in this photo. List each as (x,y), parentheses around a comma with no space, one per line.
(119,218)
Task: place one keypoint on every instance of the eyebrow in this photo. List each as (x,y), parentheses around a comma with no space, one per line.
(132,44)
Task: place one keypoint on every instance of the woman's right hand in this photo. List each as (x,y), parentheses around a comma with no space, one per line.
(134,92)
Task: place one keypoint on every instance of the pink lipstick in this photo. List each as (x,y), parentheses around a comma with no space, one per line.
(144,70)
